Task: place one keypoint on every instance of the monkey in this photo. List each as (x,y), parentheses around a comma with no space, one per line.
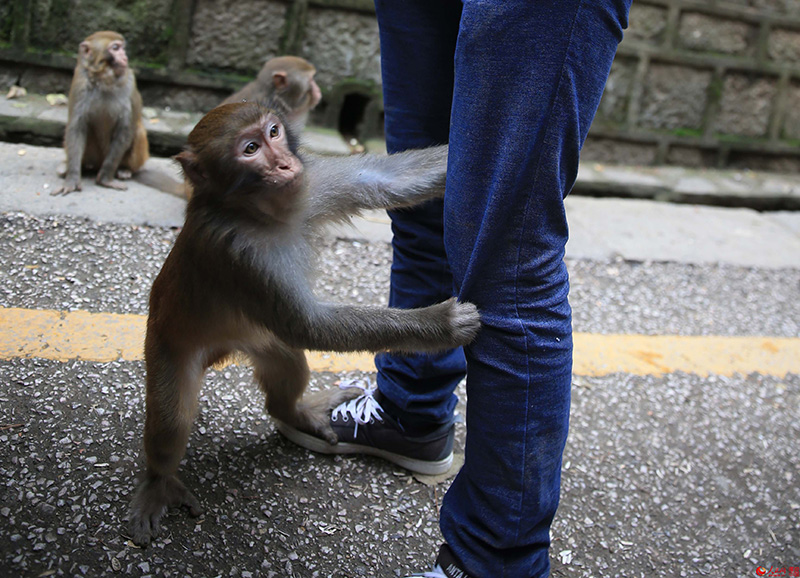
(238,280)
(288,78)
(104,126)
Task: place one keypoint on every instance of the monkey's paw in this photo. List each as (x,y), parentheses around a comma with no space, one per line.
(68,187)
(111,184)
(152,500)
(314,410)
(465,321)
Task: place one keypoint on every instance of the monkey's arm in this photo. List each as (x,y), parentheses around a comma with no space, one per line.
(289,309)
(75,145)
(342,186)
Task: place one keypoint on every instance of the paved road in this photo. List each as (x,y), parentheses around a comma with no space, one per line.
(671,469)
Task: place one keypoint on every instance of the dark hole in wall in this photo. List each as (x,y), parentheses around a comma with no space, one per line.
(351,115)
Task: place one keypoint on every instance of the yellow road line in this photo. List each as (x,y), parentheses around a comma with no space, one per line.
(101,337)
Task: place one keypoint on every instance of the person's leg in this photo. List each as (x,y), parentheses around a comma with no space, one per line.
(418,41)
(529,76)
(409,421)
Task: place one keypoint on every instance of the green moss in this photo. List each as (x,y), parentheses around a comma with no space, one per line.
(688,132)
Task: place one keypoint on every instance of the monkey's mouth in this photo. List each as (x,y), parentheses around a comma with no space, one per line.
(283,174)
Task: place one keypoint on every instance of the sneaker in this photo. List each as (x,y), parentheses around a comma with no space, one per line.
(446,566)
(364,427)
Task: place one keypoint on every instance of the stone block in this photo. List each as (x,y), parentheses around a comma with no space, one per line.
(44,81)
(674,97)
(791,124)
(614,104)
(746,105)
(646,23)
(703,33)
(775,163)
(235,34)
(342,45)
(5,18)
(686,156)
(790,6)
(180,98)
(61,26)
(784,45)
(612,151)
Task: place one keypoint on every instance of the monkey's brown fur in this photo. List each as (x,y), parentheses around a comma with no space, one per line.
(237,279)
(104,131)
(290,79)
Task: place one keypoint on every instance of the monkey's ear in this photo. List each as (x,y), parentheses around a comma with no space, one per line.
(84,48)
(190,167)
(280,79)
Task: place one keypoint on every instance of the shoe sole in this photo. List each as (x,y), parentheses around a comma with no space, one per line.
(315,444)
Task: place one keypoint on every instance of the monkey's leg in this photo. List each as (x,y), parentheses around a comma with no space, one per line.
(121,139)
(283,376)
(171,400)
(75,145)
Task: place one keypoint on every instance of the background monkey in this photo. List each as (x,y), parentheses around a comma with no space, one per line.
(290,80)
(104,128)
(237,279)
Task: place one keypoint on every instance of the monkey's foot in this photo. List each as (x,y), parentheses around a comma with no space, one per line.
(111,184)
(68,187)
(314,410)
(150,503)
(364,427)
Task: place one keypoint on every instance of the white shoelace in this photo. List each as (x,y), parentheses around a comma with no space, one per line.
(437,572)
(361,409)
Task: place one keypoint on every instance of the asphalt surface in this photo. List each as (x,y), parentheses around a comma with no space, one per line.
(670,474)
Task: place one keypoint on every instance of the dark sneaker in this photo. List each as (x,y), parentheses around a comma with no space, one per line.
(446,566)
(364,427)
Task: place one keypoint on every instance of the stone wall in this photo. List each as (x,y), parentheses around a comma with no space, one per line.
(695,82)
(704,83)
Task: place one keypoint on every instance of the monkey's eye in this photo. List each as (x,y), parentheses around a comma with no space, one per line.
(274,131)
(251,148)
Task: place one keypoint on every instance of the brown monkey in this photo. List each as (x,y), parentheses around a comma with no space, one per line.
(104,128)
(290,80)
(285,81)
(237,279)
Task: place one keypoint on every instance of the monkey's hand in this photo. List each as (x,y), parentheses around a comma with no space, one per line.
(314,410)
(69,186)
(462,321)
(152,500)
(111,183)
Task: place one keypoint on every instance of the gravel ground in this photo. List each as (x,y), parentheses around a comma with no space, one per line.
(670,476)
(66,263)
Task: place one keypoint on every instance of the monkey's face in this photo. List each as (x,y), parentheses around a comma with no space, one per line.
(242,156)
(116,56)
(263,149)
(103,55)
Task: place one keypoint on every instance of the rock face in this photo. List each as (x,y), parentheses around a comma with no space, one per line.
(698,84)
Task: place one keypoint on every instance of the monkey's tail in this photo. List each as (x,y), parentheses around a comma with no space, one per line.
(155,178)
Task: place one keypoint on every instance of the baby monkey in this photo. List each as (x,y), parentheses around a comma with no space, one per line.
(238,279)
(104,128)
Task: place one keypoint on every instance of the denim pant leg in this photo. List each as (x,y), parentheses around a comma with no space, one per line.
(528,80)
(417,46)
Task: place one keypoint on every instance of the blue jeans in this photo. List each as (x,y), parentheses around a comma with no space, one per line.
(513,86)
